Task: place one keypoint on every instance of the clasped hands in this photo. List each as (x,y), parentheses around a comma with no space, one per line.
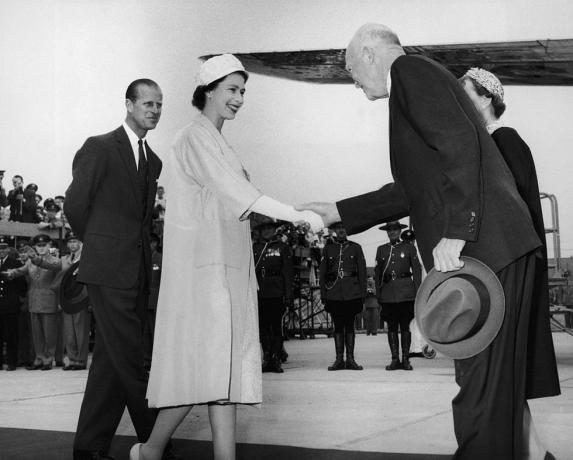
(446,253)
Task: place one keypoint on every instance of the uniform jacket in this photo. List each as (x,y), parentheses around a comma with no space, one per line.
(397,272)
(42,298)
(449,175)
(11,289)
(60,266)
(105,208)
(273,264)
(349,258)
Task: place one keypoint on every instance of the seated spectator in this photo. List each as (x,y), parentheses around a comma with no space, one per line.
(52,216)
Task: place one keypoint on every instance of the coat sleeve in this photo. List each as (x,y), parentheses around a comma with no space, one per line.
(431,103)
(362,274)
(322,275)
(88,169)
(378,270)
(202,159)
(416,267)
(288,273)
(361,212)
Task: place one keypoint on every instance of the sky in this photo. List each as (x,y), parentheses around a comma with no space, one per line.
(66,65)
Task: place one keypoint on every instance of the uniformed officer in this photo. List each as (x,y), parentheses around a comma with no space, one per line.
(343,290)
(398,274)
(10,293)
(274,269)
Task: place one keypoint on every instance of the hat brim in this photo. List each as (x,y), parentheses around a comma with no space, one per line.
(478,342)
(73,296)
(392,227)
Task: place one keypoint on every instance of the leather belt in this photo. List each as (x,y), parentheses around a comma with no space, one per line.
(391,277)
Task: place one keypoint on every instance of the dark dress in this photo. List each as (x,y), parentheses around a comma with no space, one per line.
(542,379)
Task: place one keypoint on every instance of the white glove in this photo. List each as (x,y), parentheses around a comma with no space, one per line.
(269,207)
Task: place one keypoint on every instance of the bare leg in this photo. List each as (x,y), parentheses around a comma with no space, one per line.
(167,422)
(532,447)
(223,420)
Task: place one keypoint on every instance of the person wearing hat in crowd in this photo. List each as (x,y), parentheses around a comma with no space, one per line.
(15,198)
(109,205)
(462,200)
(76,326)
(274,269)
(207,310)
(342,275)
(42,301)
(52,216)
(371,313)
(398,274)
(156,264)
(11,291)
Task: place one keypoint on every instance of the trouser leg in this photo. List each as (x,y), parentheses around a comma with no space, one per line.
(50,328)
(37,337)
(488,410)
(117,375)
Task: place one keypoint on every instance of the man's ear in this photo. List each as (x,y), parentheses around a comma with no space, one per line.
(368,54)
(129,105)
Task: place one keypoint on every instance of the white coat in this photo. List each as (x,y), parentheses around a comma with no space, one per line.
(206,345)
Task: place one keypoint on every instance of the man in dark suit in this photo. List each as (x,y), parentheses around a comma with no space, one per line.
(109,205)
(462,199)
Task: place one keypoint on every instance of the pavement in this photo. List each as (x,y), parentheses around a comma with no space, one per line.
(373,410)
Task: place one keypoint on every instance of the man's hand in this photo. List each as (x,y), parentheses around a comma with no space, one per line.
(447,255)
(328,211)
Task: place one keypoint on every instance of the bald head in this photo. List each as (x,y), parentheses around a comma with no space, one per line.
(369,57)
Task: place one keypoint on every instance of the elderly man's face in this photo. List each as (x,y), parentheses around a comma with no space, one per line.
(365,67)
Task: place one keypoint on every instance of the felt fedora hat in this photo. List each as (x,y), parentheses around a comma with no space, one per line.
(459,313)
(393,225)
(73,295)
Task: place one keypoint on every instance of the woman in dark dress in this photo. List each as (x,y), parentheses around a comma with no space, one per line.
(486,92)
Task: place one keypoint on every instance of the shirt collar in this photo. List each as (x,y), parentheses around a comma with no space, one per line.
(389,83)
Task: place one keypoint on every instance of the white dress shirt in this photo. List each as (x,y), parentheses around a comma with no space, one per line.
(134,141)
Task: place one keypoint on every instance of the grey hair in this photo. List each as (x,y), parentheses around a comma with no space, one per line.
(376,34)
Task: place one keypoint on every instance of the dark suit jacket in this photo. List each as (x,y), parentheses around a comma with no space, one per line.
(105,208)
(449,175)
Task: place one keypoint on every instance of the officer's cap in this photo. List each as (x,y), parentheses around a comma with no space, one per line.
(70,236)
(41,239)
(393,225)
(3,242)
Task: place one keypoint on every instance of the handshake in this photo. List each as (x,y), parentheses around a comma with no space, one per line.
(318,215)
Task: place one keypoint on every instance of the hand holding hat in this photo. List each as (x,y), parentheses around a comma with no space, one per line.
(447,255)
(460,313)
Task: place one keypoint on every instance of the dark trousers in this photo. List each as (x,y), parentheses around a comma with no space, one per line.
(488,410)
(398,315)
(271,311)
(117,378)
(26,352)
(343,313)
(9,334)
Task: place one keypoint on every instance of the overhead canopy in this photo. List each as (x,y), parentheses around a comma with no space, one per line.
(538,62)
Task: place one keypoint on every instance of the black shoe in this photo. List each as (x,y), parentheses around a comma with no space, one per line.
(352,365)
(11,368)
(34,367)
(549,456)
(46,367)
(337,365)
(406,364)
(394,365)
(59,364)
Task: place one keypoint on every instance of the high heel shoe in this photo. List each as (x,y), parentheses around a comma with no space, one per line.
(134,452)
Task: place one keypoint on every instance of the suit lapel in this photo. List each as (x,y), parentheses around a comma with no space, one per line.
(127,156)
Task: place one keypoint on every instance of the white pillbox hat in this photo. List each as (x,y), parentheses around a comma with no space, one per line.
(218,67)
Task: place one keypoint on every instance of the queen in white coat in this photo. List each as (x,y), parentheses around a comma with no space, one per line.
(206,348)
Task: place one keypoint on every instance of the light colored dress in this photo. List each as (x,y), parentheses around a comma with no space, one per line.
(206,345)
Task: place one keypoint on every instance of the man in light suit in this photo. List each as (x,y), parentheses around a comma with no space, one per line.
(461,198)
(109,205)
